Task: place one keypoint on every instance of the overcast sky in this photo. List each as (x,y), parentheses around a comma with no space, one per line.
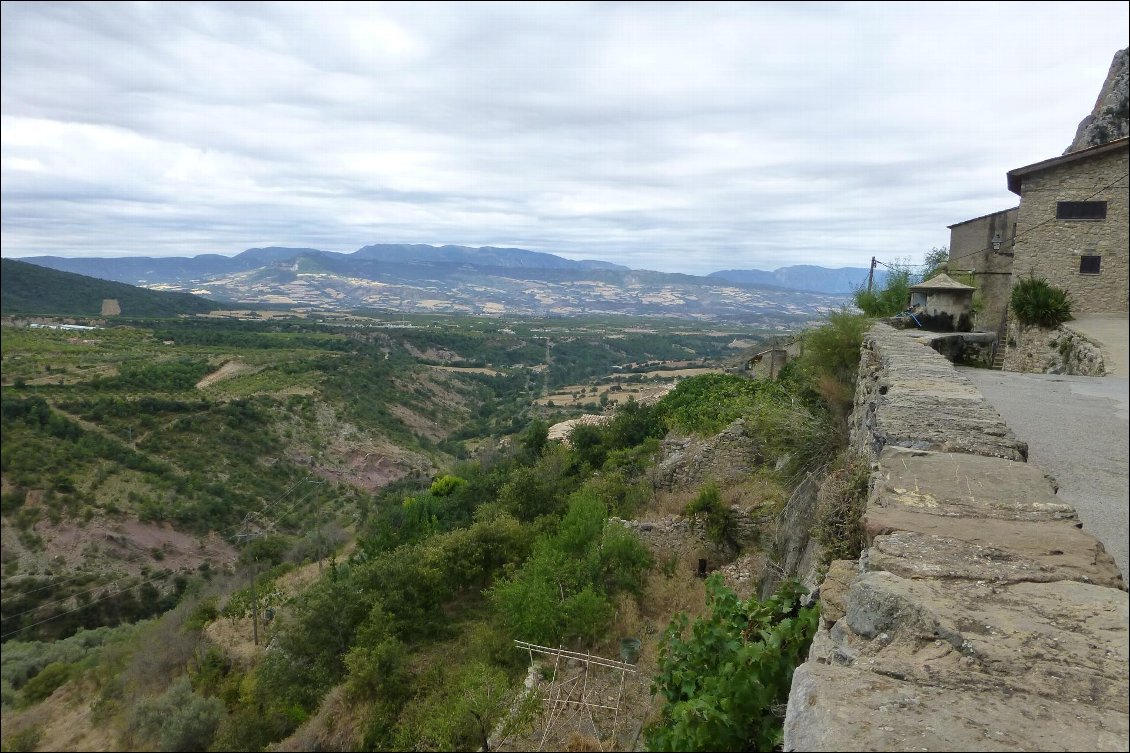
(675,137)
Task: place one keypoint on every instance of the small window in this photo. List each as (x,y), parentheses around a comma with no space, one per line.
(1089,265)
(1080,210)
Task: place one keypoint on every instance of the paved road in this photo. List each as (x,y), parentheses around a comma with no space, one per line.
(1076,429)
(1110,332)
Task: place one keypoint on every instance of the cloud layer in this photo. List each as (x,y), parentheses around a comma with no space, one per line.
(675,137)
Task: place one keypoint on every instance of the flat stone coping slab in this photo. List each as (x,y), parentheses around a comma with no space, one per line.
(911,554)
(970,486)
(834,708)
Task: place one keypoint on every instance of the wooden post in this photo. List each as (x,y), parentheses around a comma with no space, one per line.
(871,275)
(254,608)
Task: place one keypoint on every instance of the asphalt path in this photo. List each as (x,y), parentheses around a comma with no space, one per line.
(1076,430)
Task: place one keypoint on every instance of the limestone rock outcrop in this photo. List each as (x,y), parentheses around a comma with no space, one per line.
(691,461)
(1109,118)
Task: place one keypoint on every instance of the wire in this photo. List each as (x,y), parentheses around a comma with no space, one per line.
(68,597)
(1041,224)
(76,609)
(57,582)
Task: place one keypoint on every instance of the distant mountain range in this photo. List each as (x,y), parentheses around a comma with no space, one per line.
(173,270)
(461,279)
(28,289)
(843,281)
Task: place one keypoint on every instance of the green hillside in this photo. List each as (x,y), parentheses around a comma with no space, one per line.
(30,289)
(326,532)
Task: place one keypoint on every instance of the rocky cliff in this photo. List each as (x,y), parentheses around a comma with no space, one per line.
(1109,119)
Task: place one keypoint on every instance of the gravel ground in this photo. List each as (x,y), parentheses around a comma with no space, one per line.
(1076,429)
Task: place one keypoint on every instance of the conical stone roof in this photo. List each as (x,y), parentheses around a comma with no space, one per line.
(941,282)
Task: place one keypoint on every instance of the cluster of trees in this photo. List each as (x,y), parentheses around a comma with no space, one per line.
(893,295)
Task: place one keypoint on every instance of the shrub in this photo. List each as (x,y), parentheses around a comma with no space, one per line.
(179,719)
(719,516)
(891,298)
(446,485)
(724,686)
(838,527)
(49,679)
(1034,301)
(708,403)
(832,349)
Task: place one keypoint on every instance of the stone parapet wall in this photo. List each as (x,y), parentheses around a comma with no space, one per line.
(908,395)
(980,616)
(1050,248)
(1059,350)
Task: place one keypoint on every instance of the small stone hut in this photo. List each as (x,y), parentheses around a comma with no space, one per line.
(942,304)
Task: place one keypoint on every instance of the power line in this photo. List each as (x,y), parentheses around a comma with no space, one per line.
(57,582)
(68,597)
(1040,224)
(79,608)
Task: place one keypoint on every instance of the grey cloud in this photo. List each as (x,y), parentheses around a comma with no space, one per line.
(682,137)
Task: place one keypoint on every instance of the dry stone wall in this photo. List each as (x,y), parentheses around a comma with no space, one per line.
(981,616)
(1059,350)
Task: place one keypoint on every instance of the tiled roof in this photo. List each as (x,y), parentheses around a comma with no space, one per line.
(941,282)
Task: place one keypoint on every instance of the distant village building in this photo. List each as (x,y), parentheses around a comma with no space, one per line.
(942,304)
(767,364)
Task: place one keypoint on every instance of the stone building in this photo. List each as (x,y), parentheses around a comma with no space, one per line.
(767,364)
(1072,225)
(981,249)
(942,304)
(1072,228)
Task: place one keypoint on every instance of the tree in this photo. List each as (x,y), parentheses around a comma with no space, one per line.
(179,719)
(936,261)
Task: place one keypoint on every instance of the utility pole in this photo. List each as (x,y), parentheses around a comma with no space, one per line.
(871,274)
(254,607)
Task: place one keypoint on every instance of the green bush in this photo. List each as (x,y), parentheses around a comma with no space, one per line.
(179,719)
(725,684)
(562,592)
(832,349)
(49,679)
(708,403)
(1034,301)
(719,516)
(888,300)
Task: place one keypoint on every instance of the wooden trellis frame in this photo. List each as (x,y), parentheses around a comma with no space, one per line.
(558,695)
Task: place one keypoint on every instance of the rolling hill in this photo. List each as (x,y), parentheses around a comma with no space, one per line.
(31,289)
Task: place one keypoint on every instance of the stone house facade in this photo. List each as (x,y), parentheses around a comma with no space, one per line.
(1072,228)
(981,249)
(1073,225)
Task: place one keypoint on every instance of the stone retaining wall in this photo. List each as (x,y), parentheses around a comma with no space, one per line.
(981,616)
(1058,350)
